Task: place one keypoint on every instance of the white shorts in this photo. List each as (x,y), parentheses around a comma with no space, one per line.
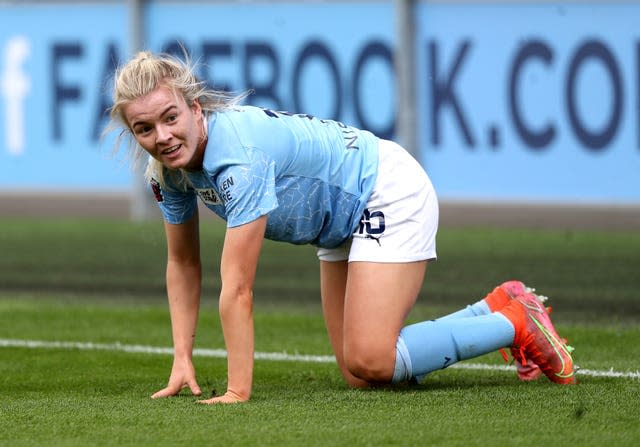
(400,221)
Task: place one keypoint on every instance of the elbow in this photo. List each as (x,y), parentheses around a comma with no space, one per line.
(236,299)
(193,264)
(189,272)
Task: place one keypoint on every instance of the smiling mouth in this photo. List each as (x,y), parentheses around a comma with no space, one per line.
(171,150)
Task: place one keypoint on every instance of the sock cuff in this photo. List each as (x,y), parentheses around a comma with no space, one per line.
(402,369)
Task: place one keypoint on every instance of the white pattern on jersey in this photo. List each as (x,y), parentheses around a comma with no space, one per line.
(312,177)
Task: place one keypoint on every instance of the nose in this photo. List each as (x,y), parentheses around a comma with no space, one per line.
(163,134)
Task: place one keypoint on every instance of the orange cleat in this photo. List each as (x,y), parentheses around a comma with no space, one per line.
(537,341)
(499,298)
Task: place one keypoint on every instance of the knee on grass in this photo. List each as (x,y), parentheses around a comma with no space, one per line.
(370,367)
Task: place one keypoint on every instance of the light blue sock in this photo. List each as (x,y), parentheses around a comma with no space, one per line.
(473,310)
(432,345)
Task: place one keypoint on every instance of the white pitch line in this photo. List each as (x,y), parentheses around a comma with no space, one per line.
(275,356)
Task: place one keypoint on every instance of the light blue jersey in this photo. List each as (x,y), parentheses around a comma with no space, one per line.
(312,177)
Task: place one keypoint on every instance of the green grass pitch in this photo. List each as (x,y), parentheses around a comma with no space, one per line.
(99,285)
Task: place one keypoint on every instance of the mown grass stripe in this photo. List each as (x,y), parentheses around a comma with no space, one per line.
(274,356)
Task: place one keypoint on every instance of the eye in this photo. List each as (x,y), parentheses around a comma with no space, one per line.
(172,118)
(142,129)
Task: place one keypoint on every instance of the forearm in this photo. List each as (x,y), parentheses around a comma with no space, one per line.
(183,290)
(238,266)
(236,315)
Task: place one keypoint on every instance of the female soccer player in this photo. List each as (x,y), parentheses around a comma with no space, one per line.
(364,202)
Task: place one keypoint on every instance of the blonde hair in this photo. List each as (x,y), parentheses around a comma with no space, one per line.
(143,74)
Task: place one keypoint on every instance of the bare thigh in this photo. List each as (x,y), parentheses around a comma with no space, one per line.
(365,305)
(333,284)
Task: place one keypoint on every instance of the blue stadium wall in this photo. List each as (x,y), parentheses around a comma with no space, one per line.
(534,102)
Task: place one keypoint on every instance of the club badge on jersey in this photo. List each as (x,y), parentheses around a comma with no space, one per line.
(157,192)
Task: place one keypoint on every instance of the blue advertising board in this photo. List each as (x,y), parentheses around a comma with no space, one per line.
(531,101)
(52,96)
(516,101)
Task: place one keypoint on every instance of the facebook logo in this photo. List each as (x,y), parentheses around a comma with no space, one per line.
(15,84)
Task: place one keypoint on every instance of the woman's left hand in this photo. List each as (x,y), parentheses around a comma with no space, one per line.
(228,398)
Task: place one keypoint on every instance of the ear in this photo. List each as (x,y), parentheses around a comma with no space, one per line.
(196,108)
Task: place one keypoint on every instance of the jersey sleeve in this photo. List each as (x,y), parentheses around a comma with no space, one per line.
(249,189)
(176,206)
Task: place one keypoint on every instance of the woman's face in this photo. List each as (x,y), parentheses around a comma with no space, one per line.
(167,128)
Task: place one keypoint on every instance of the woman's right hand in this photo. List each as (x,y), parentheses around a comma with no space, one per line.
(183,375)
